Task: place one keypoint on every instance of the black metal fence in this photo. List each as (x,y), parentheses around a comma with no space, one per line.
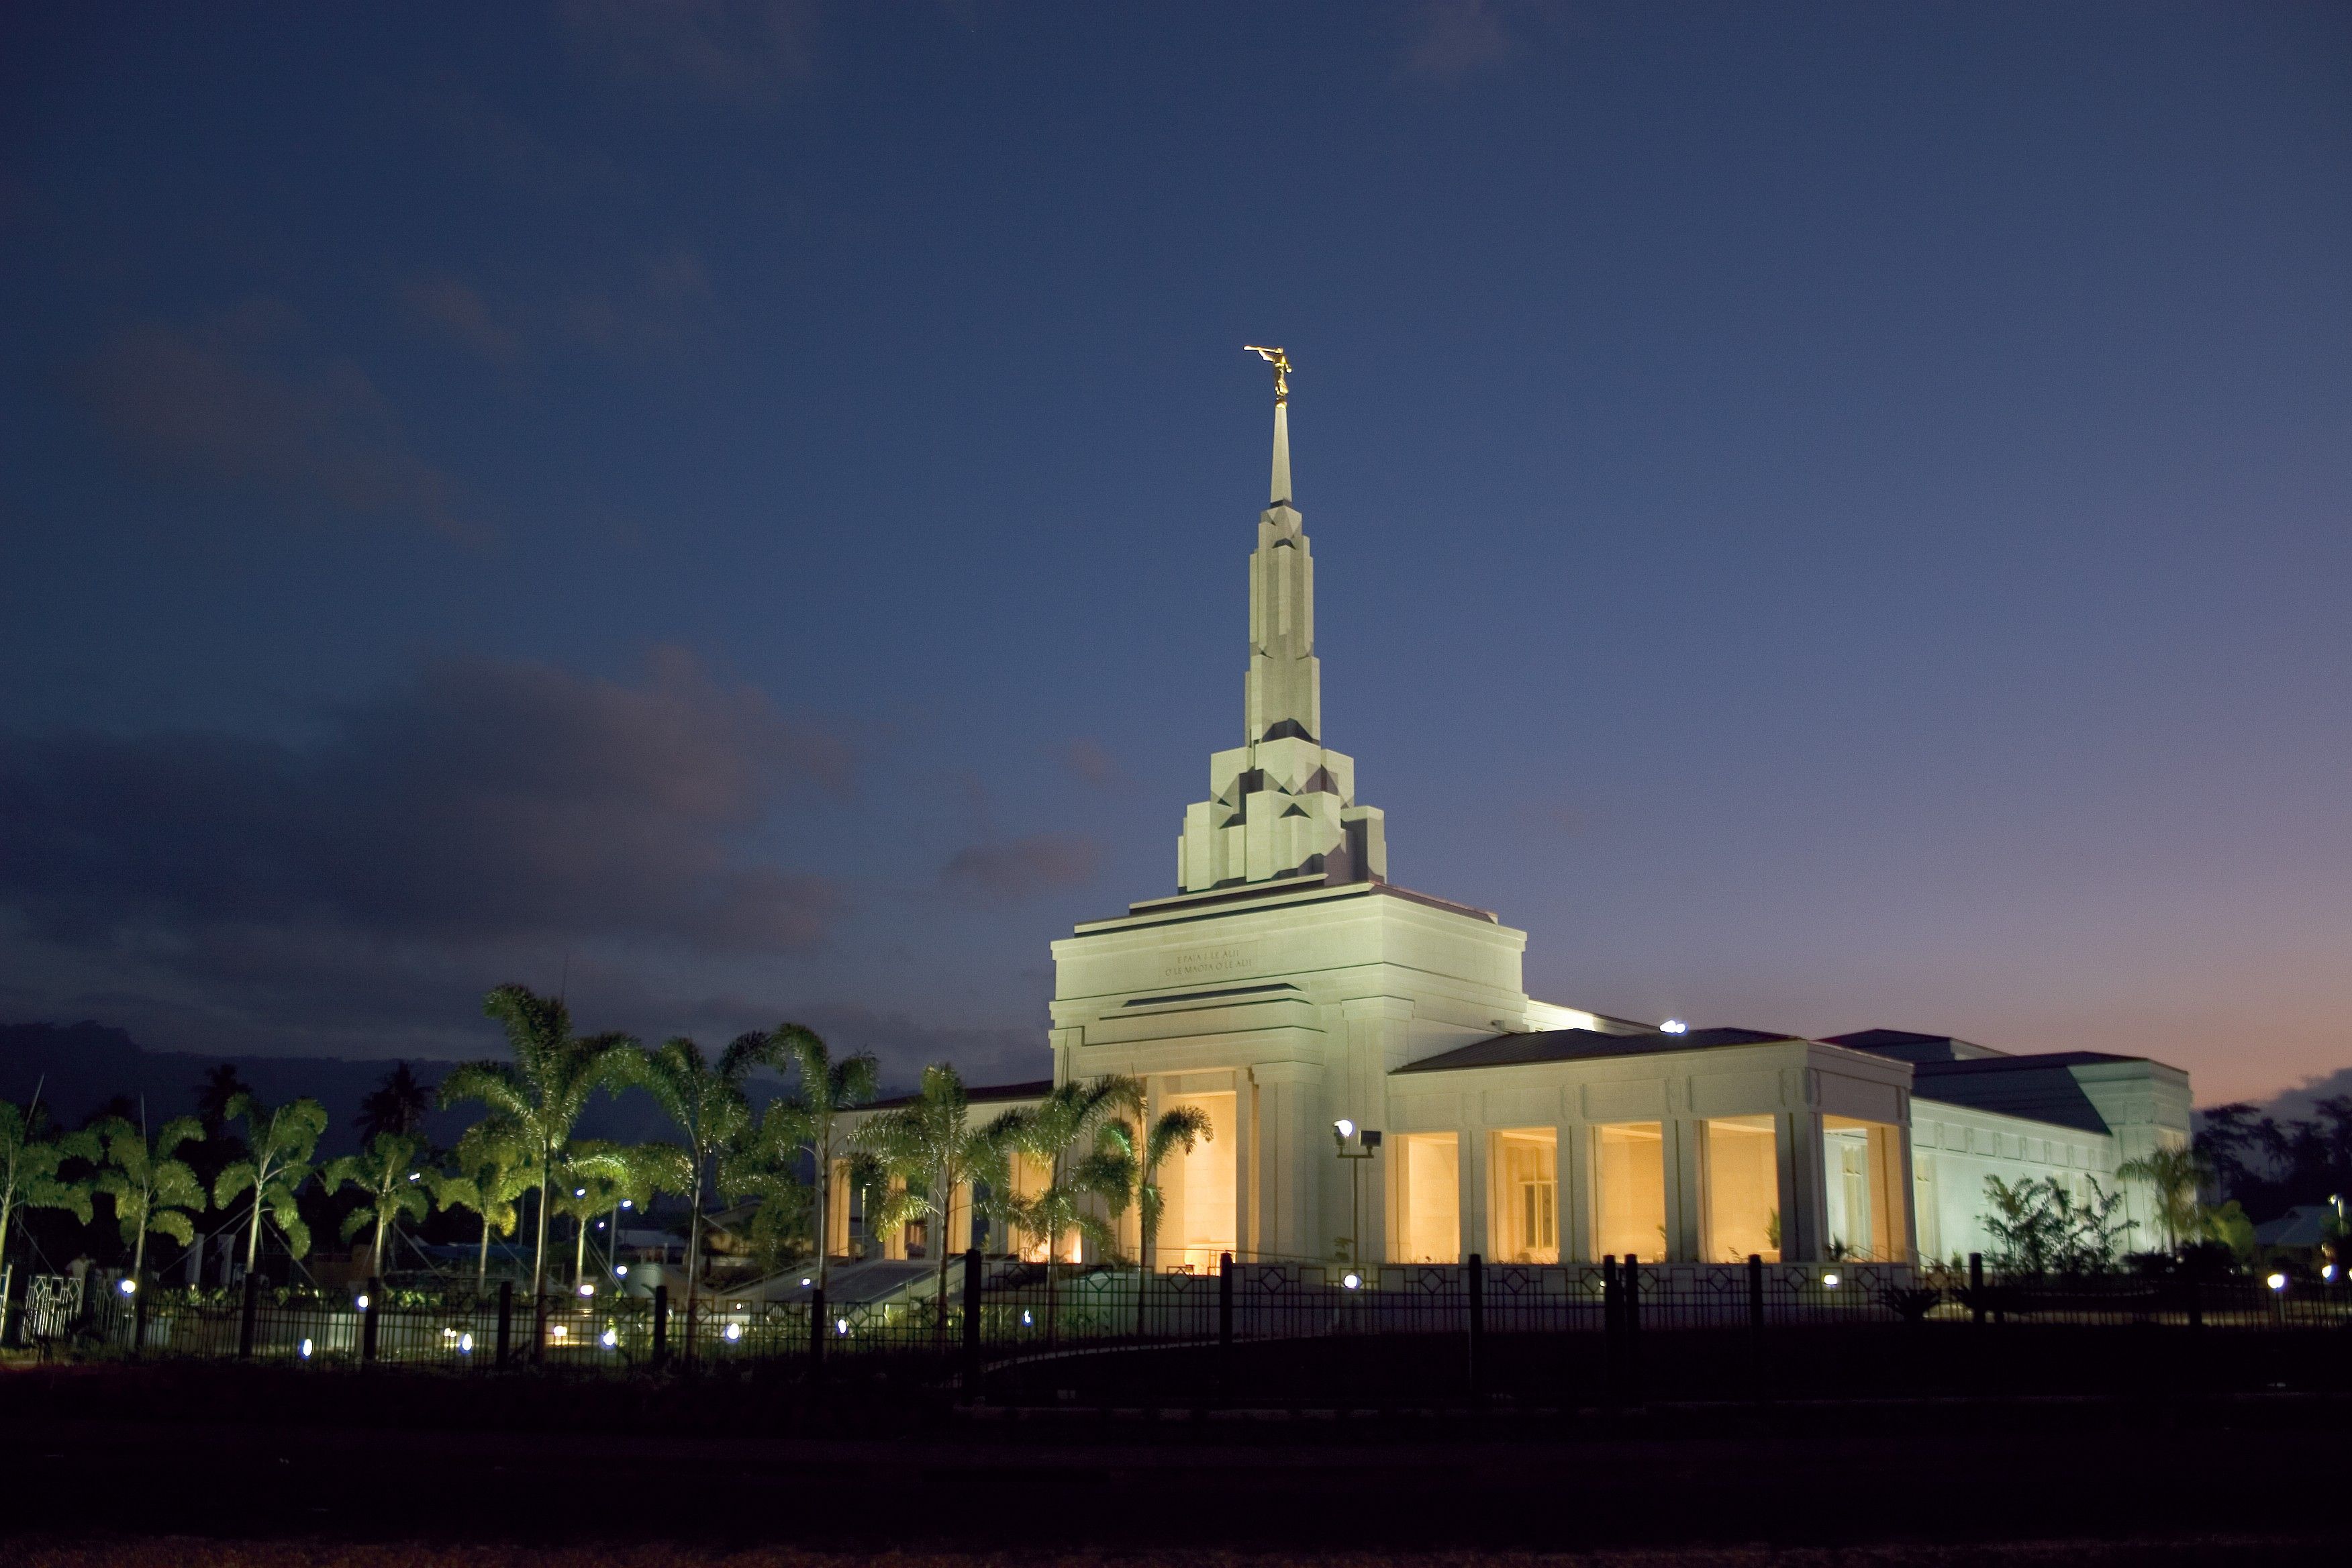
(999,1313)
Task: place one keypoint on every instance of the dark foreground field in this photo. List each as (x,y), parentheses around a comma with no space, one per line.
(140,1465)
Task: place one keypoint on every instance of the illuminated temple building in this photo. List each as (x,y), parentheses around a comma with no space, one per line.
(1288,985)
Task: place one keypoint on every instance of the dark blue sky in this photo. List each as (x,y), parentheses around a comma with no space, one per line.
(1828,516)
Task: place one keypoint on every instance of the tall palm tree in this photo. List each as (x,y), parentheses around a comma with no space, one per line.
(487,1170)
(1087,1163)
(221,1084)
(1179,1127)
(279,1143)
(541,1093)
(707,1101)
(595,1177)
(928,1148)
(2174,1175)
(812,1120)
(398,1103)
(154,1192)
(29,1161)
(391,1179)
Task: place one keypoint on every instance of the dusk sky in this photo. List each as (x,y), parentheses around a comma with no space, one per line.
(1826,516)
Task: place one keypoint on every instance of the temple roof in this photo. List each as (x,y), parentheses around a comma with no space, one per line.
(2038,1088)
(1580,1045)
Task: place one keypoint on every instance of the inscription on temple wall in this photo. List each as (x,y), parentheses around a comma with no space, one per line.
(1209,962)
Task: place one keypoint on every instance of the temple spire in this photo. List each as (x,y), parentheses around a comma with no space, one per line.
(1281,489)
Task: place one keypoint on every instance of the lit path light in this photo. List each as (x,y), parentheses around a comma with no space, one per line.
(306,1350)
(609,1339)
(734,1332)
(587,1288)
(128,1287)
(841,1327)
(2276,1281)
(1830,1281)
(363,1303)
(1351,1281)
(1026,1321)
(465,1344)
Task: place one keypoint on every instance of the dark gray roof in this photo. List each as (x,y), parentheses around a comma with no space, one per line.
(2039,1089)
(1580,1045)
(1904,1045)
(1037,1090)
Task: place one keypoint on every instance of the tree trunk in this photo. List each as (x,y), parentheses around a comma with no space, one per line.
(253,1239)
(482,1275)
(539,1253)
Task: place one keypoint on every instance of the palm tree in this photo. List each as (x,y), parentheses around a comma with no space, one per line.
(279,1143)
(596,1177)
(1087,1166)
(541,1093)
(153,1192)
(221,1084)
(488,1172)
(708,1103)
(390,1180)
(2176,1176)
(29,1161)
(765,1168)
(929,1147)
(1178,1127)
(812,1119)
(396,1104)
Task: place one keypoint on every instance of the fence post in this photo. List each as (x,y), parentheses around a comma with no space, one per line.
(506,1321)
(974,1276)
(661,1327)
(370,1308)
(138,1317)
(246,1314)
(1975,1287)
(1755,1291)
(816,1333)
(1631,1284)
(1475,1277)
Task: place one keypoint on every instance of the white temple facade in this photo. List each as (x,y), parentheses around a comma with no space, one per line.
(1381,1087)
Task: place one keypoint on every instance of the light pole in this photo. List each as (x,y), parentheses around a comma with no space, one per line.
(1368,1143)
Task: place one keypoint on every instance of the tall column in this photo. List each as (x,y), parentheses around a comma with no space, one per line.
(1574,1172)
(1291,1162)
(1804,1203)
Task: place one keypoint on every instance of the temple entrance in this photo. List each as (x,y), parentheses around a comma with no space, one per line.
(1202,1218)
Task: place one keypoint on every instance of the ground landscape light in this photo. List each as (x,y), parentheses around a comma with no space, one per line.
(306,1350)
(1352,1279)
(465,1344)
(1026,1321)
(129,1286)
(734,1331)
(609,1339)
(620,1271)
(1829,1280)
(362,1303)
(2276,1281)
(586,1289)
(841,1326)
(579,1191)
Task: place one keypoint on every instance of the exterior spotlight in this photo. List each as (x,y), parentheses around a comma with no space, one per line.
(620,1271)
(1026,1321)
(465,1344)
(1344,1127)
(306,1350)
(841,1327)
(626,1204)
(129,1286)
(1352,1279)
(1674,1026)
(1830,1281)
(609,1339)
(415,1175)
(586,1289)
(734,1332)
(363,1303)
(579,1191)
(806,1282)
(2276,1281)
(2328,1274)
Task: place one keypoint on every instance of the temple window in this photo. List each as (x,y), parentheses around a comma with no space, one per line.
(1630,1198)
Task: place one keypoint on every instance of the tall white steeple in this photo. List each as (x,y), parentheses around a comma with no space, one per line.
(1281,805)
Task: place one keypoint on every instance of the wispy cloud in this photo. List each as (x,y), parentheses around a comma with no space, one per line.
(1452,40)
(1022,868)
(655,309)
(248,401)
(745,53)
(1087,759)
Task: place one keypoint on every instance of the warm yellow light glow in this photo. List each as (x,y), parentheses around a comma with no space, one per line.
(1524,1200)
(1743,1189)
(1631,1210)
(1864,1188)
(1200,1220)
(1432,1173)
(559,1331)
